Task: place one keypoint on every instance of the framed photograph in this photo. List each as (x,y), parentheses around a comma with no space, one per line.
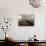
(26,20)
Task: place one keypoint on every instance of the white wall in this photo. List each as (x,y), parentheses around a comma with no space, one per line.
(12,8)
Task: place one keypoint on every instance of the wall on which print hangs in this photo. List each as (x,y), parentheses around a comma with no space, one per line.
(12,8)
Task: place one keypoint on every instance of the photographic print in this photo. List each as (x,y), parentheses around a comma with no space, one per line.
(25,20)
